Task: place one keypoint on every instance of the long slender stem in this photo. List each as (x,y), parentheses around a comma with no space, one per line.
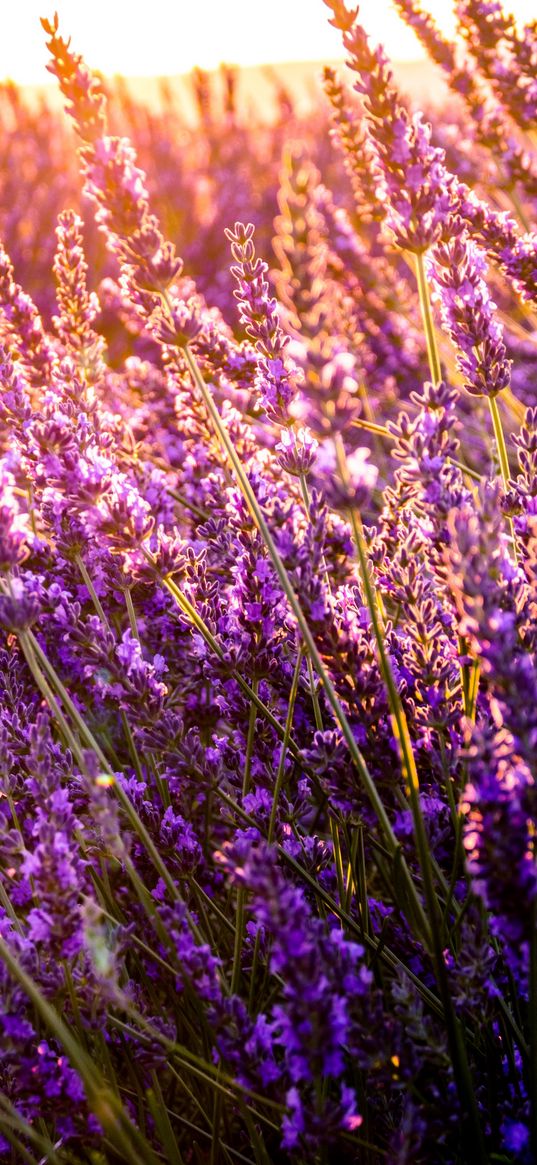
(502,455)
(239,916)
(500,440)
(48,694)
(285,743)
(415,906)
(314,698)
(126,1138)
(212,1073)
(381,950)
(133,624)
(246,779)
(433,354)
(456,1042)
(27,637)
(408,763)
(92,592)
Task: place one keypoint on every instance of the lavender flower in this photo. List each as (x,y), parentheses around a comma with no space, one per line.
(313,1023)
(78,307)
(416,187)
(210,935)
(467,312)
(275,383)
(498,840)
(490,122)
(505,55)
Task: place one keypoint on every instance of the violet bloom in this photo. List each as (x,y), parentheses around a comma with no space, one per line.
(360,480)
(78,307)
(468,314)
(497,232)
(22,328)
(320,972)
(506,55)
(496,617)
(15,404)
(275,381)
(521,500)
(426,447)
(489,119)
(359,154)
(15,532)
(416,185)
(499,840)
(297,450)
(115,183)
(51,863)
(421,194)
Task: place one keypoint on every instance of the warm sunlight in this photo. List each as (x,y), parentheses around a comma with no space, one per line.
(168,37)
(268,566)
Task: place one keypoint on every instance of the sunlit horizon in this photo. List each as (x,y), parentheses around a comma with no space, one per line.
(170,37)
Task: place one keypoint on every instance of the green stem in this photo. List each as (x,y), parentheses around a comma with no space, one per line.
(239,917)
(428,322)
(503,458)
(126,1138)
(92,592)
(133,751)
(368,782)
(7,1129)
(27,638)
(212,1074)
(500,440)
(133,624)
(237,946)
(202,514)
(307,506)
(391,960)
(199,1132)
(338,861)
(48,694)
(314,697)
(246,779)
(163,1124)
(284,747)
(434,933)
(14,1120)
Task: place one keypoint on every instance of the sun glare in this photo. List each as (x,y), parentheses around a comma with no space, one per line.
(168,37)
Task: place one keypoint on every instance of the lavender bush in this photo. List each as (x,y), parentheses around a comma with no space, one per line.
(268,618)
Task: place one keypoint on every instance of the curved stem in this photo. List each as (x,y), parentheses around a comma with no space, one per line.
(428,323)
(285,744)
(503,458)
(408,764)
(415,906)
(500,440)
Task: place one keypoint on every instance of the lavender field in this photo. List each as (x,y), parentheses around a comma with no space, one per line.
(268,614)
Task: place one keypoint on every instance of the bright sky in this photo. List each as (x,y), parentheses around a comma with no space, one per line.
(166,37)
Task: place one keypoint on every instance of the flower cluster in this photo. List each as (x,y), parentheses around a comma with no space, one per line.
(268,617)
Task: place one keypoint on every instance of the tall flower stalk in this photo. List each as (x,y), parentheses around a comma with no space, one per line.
(267,662)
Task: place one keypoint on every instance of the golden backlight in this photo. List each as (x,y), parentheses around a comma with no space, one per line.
(166,37)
